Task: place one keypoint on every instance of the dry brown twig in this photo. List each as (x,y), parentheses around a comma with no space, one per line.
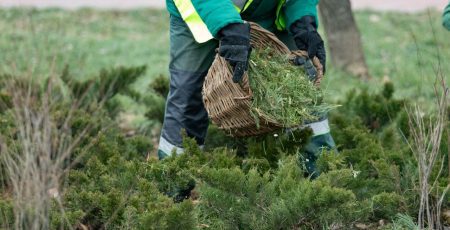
(426,140)
(40,156)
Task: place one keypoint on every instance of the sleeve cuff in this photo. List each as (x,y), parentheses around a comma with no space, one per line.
(296,10)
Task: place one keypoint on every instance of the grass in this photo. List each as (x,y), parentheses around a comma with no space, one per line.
(87,40)
(43,41)
(402,48)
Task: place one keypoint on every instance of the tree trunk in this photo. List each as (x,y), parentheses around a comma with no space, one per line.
(343,37)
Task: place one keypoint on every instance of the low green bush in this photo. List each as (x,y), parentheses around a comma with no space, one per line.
(254,183)
(6,213)
(387,205)
(156,101)
(233,198)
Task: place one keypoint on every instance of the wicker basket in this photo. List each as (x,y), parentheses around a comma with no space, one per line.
(229,104)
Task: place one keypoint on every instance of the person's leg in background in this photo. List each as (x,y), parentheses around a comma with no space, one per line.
(321,139)
(189,64)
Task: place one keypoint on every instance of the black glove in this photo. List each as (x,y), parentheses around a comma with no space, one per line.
(308,66)
(235,47)
(307,38)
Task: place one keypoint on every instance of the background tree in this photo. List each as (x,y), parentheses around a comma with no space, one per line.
(343,37)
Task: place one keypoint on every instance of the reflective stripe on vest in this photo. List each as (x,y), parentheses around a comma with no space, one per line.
(280,21)
(198,27)
(242,9)
(195,23)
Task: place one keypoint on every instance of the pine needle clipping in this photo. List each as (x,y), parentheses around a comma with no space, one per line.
(282,91)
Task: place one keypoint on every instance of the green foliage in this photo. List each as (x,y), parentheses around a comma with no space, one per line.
(6,213)
(5,101)
(160,85)
(175,175)
(110,189)
(106,184)
(387,205)
(100,90)
(215,138)
(283,200)
(156,102)
(403,222)
(375,110)
(331,160)
(156,105)
(275,145)
(374,162)
(254,183)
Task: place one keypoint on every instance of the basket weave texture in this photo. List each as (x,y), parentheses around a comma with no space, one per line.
(229,104)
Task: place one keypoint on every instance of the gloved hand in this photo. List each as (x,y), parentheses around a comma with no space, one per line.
(307,38)
(235,47)
(307,65)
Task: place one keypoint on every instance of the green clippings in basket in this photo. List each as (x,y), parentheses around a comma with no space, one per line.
(282,91)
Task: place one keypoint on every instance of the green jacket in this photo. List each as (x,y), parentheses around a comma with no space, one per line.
(446,17)
(213,15)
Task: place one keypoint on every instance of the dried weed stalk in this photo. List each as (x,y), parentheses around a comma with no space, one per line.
(37,156)
(426,140)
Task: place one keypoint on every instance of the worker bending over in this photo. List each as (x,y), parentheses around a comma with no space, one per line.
(199,27)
